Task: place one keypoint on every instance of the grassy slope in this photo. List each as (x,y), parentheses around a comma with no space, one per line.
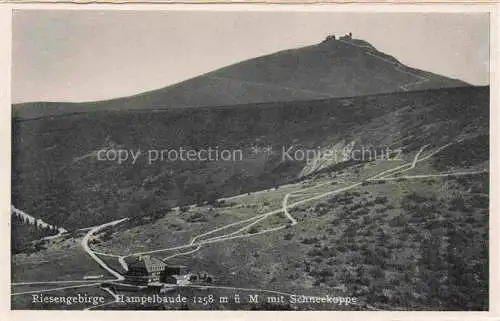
(413,244)
(62,259)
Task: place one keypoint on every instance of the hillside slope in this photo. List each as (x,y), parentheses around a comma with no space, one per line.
(333,68)
(56,173)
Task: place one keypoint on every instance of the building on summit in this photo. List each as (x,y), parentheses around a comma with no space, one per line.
(346,37)
(332,37)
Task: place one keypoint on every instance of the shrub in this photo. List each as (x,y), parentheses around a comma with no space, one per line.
(403,237)
(409,229)
(381,200)
(325,272)
(310,240)
(457,204)
(399,220)
(160,213)
(420,207)
(356,206)
(314,252)
(361,212)
(196,217)
(373,258)
(219,203)
(479,201)
(254,229)
(353,246)
(377,272)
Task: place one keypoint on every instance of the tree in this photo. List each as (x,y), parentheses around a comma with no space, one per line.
(213,197)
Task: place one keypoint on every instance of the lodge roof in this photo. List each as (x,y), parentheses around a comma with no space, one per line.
(150,263)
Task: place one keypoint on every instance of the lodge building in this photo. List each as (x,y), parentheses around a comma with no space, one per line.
(148,270)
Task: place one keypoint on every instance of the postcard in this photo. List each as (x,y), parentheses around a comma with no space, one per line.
(250,159)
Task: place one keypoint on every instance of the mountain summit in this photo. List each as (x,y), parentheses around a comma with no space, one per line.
(336,67)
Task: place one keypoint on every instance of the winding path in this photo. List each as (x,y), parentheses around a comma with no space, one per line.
(197,243)
(86,247)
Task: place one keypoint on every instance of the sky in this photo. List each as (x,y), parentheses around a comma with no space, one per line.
(89,55)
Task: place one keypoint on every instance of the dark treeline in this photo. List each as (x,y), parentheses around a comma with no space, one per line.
(23,233)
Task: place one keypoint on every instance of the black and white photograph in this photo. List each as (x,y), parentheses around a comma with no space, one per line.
(250,160)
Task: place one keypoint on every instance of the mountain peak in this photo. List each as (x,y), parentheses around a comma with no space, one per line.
(337,67)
